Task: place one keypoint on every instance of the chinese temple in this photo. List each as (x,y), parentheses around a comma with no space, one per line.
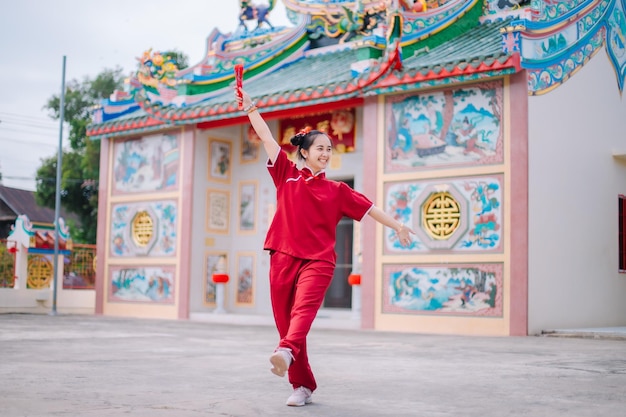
(477,123)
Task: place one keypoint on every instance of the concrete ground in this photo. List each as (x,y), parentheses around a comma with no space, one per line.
(87,366)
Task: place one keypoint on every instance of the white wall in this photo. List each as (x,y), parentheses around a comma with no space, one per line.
(573,186)
(231,242)
(21,299)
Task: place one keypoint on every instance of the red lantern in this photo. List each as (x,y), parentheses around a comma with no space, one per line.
(354,279)
(220,278)
(13,249)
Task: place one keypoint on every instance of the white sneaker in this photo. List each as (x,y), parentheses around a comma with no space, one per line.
(281,360)
(300,397)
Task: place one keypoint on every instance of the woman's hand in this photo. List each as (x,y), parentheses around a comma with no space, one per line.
(403,232)
(244,98)
(404,235)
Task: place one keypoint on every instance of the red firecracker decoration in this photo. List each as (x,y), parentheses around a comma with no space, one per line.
(239,81)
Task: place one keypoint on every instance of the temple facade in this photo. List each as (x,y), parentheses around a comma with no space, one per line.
(478,123)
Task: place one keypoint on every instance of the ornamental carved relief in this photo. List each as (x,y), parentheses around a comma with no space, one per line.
(441,215)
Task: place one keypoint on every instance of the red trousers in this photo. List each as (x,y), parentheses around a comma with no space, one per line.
(297,289)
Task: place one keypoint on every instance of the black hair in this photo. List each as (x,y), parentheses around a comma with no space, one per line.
(304,140)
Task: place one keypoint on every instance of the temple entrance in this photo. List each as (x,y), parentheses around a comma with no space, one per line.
(339,294)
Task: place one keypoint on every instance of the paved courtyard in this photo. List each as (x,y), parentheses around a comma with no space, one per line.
(88,366)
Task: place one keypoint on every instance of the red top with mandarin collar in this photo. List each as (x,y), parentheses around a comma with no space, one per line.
(308,210)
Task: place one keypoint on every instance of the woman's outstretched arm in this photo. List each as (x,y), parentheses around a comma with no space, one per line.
(260,127)
(402,231)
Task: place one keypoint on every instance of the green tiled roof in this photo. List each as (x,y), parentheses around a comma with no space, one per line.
(326,69)
(479,44)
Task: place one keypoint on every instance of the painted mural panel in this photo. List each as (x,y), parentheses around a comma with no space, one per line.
(144,228)
(471,206)
(451,289)
(146,165)
(245,278)
(445,129)
(550,10)
(151,284)
(214,262)
(248,201)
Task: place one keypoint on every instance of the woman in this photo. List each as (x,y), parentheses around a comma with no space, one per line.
(301,241)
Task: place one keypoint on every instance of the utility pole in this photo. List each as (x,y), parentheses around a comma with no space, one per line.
(57,200)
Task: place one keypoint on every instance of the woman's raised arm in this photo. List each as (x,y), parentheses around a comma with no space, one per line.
(259,125)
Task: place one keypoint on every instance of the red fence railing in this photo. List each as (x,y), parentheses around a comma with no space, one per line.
(80,268)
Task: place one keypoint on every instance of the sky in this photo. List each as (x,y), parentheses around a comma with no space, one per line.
(92,35)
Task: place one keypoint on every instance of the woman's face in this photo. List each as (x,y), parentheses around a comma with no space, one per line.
(319,153)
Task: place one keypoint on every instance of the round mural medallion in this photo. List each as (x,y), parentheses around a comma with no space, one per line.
(441,215)
(40,271)
(142,228)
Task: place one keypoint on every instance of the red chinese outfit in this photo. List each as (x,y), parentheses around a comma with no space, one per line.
(301,241)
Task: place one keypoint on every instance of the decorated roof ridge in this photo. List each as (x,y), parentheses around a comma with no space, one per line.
(507,15)
(324,78)
(615,24)
(411,8)
(544,79)
(324,7)
(552,50)
(549,10)
(276,43)
(418,26)
(565,53)
(579,12)
(224,116)
(217,41)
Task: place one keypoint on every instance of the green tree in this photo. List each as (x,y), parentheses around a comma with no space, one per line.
(80,170)
(81,163)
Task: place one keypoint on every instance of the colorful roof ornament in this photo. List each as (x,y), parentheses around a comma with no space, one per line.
(615,40)
(559,37)
(251,11)
(157,76)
